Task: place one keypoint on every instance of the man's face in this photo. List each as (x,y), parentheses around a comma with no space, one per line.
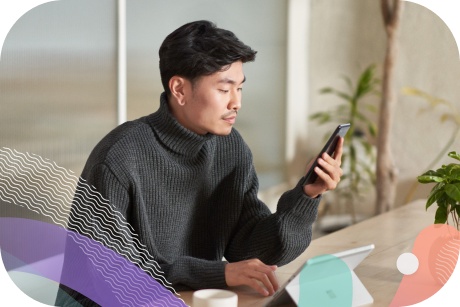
(213,101)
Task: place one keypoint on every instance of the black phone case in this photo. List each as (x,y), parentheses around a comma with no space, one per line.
(329,147)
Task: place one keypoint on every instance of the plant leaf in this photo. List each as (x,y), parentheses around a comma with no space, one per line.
(441,172)
(453,191)
(432,100)
(326,90)
(434,196)
(455,175)
(330,90)
(365,83)
(431,173)
(441,215)
(429,179)
(372,129)
(442,200)
(454,155)
(321,117)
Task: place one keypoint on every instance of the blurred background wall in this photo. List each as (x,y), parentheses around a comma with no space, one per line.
(58,84)
(58,77)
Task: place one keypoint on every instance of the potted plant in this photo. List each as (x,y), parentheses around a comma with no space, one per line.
(447,113)
(446,191)
(358,159)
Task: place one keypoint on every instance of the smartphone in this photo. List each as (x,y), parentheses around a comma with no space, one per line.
(329,147)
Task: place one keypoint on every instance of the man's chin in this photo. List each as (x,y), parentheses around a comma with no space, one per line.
(223,132)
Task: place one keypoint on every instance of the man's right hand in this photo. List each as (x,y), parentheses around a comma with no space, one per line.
(253,273)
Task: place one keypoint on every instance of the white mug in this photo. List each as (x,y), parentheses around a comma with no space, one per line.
(214,298)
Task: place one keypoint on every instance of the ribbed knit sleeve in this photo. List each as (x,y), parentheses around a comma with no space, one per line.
(273,238)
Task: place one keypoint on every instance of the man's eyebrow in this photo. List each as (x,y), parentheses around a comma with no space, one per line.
(231,81)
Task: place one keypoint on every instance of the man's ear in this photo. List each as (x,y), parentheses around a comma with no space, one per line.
(177,86)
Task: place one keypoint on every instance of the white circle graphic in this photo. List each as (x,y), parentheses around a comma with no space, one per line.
(407,263)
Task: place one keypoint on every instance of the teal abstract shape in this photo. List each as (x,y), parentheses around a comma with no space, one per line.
(325,281)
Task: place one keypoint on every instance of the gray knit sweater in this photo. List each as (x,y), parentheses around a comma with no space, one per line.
(192,199)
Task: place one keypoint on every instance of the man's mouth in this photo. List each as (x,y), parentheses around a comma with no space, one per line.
(230,117)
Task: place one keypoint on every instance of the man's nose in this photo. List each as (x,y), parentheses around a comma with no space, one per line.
(235,101)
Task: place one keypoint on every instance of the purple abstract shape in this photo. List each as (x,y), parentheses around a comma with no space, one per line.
(97,272)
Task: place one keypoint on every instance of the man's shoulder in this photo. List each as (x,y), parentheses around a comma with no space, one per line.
(122,141)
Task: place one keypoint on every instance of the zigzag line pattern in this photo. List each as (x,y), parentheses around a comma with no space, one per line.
(130,288)
(446,260)
(95,218)
(41,186)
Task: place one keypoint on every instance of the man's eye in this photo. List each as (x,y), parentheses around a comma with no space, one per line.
(240,89)
(223,91)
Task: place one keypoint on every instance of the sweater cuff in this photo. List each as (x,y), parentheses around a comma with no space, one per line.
(216,276)
(196,273)
(296,201)
(212,275)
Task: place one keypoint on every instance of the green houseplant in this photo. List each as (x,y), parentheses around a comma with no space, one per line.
(447,113)
(446,191)
(358,159)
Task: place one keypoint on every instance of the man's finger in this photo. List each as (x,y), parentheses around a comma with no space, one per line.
(333,170)
(328,182)
(253,283)
(263,278)
(273,280)
(339,150)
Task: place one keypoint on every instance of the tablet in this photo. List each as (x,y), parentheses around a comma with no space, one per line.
(329,147)
(326,281)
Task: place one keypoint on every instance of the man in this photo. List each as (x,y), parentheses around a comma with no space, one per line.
(185,181)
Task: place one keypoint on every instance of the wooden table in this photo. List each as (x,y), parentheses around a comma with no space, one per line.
(393,233)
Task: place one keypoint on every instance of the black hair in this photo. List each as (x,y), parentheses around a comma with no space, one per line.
(198,49)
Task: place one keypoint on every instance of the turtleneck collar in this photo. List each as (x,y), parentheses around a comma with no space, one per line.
(173,135)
